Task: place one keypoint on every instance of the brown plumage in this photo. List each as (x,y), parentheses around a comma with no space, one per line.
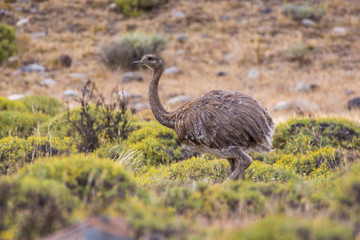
(227,124)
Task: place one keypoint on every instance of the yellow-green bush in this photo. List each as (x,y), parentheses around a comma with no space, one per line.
(313,164)
(7,42)
(158,144)
(21,124)
(31,208)
(131,47)
(281,227)
(302,135)
(15,152)
(93,180)
(133,8)
(43,104)
(10,105)
(262,172)
(300,12)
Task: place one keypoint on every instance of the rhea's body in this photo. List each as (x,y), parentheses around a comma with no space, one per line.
(227,124)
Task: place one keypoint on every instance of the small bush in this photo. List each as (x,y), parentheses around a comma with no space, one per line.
(10,105)
(21,124)
(33,208)
(94,181)
(262,172)
(299,12)
(15,152)
(298,52)
(7,42)
(133,8)
(131,47)
(280,227)
(303,135)
(158,144)
(43,104)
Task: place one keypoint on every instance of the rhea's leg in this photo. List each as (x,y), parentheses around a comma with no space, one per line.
(232,164)
(242,162)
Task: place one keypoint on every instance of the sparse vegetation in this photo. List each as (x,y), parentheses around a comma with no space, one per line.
(131,47)
(300,12)
(7,42)
(133,8)
(43,104)
(298,52)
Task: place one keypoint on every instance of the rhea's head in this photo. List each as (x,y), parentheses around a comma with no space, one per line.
(151,61)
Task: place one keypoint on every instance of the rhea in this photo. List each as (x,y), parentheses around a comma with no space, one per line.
(227,124)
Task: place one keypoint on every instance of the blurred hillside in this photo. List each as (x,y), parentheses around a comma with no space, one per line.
(307,63)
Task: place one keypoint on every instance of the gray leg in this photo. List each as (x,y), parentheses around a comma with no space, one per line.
(242,162)
(232,164)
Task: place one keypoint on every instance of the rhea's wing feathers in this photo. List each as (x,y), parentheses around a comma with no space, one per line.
(221,119)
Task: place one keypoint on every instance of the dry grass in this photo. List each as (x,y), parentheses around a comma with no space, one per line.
(252,40)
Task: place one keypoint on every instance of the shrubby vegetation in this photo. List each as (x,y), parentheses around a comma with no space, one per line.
(131,47)
(299,12)
(133,8)
(7,42)
(147,177)
(43,104)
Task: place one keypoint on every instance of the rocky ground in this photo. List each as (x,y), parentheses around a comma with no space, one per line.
(247,46)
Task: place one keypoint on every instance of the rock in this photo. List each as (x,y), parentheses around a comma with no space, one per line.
(22,21)
(230,58)
(48,82)
(308,22)
(181,37)
(281,106)
(112,6)
(172,70)
(266,11)
(131,76)
(221,74)
(37,35)
(304,107)
(253,74)
(302,87)
(349,92)
(64,60)
(16,96)
(354,103)
(71,93)
(178,14)
(131,97)
(78,76)
(224,17)
(339,31)
(32,68)
(141,106)
(178,100)
(180,52)
(13,61)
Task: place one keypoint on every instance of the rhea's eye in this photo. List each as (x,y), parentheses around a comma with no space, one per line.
(150,58)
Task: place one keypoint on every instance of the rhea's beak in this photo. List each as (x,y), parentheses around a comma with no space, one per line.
(138,62)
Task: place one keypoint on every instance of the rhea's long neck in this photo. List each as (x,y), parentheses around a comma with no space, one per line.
(164,117)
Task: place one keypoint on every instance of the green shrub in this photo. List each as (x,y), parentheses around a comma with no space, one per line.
(43,104)
(133,8)
(21,124)
(262,172)
(303,135)
(313,164)
(10,105)
(15,152)
(131,47)
(7,42)
(158,144)
(299,12)
(31,208)
(280,227)
(298,52)
(93,180)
